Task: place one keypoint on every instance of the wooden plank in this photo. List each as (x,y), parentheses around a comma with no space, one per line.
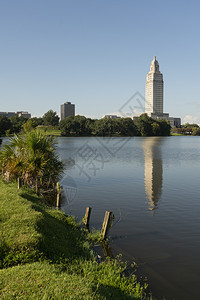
(58,202)
(86,219)
(106,223)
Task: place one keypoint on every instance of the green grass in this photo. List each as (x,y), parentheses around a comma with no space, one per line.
(177,134)
(45,254)
(50,130)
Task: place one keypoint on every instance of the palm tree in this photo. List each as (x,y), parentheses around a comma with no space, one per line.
(12,158)
(33,158)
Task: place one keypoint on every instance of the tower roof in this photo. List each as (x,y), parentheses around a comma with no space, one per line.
(154,66)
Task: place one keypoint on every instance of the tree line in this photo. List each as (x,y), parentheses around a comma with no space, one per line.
(141,126)
(187,129)
(82,126)
(16,124)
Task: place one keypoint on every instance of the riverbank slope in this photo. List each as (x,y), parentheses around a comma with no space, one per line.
(45,254)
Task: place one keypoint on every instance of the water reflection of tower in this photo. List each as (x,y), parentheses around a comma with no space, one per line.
(153,170)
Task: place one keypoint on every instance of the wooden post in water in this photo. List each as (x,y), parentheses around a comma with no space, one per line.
(86,219)
(106,223)
(58,204)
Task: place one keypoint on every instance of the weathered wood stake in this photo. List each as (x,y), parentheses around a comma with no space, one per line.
(86,219)
(19,183)
(58,203)
(106,223)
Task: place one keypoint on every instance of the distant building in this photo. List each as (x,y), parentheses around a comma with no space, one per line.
(8,114)
(111,117)
(174,122)
(66,110)
(23,114)
(154,95)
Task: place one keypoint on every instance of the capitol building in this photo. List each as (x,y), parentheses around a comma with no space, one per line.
(154,95)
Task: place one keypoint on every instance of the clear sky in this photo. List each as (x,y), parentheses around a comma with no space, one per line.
(96,54)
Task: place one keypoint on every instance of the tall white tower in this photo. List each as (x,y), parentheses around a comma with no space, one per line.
(154,90)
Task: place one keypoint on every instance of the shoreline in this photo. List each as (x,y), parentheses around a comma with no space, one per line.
(45,239)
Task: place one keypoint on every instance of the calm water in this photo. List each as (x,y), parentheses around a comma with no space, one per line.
(152,187)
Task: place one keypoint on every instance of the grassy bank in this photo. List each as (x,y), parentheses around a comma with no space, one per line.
(50,130)
(45,254)
(176,134)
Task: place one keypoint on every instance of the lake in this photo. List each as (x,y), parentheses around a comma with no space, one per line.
(152,185)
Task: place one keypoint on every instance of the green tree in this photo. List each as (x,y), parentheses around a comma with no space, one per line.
(149,127)
(89,126)
(165,128)
(33,158)
(196,131)
(143,124)
(68,126)
(5,124)
(188,125)
(36,122)
(50,118)
(127,127)
(78,125)
(17,123)
(107,127)
(155,128)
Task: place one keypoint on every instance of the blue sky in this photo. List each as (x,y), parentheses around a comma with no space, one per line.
(96,54)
